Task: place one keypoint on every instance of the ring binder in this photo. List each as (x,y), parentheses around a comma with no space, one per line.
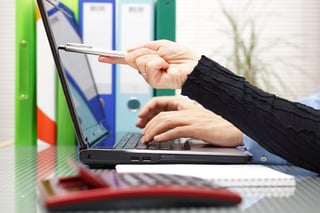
(135,24)
(25,97)
(97,27)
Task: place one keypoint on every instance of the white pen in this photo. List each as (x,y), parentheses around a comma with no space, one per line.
(87,49)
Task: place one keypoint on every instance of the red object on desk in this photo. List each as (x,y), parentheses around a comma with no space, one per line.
(109,190)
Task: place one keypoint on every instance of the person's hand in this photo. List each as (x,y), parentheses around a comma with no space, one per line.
(163,63)
(167,118)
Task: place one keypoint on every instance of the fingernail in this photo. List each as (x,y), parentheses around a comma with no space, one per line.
(157,137)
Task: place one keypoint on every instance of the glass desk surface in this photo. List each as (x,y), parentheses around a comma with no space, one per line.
(22,167)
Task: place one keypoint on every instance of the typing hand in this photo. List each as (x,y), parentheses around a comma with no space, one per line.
(166,118)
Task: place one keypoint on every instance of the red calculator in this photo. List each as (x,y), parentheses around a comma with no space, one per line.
(109,190)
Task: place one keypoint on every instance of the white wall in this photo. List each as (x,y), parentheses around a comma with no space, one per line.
(288,33)
(7,69)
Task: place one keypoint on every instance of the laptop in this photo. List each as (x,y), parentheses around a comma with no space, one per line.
(98,146)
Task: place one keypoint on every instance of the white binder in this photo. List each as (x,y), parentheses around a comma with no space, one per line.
(97,26)
(46,87)
(135,25)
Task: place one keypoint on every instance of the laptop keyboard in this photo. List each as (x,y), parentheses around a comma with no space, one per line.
(132,141)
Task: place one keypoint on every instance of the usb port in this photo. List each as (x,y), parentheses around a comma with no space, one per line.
(146,159)
(134,158)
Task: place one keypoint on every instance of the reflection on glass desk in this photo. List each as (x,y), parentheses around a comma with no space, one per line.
(22,167)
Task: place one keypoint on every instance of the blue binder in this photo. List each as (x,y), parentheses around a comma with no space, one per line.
(97,28)
(135,25)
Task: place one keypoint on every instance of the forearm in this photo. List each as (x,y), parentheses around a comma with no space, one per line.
(288,129)
(261,155)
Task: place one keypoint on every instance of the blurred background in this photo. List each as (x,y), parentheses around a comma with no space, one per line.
(274,44)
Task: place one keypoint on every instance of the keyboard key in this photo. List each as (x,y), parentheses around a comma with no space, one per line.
(133,141)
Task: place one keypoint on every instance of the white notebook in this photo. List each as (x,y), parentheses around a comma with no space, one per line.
(223,175)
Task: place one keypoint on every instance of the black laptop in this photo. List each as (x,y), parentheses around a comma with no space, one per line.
(98,146)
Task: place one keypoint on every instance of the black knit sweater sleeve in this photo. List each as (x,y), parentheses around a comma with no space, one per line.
(288,129)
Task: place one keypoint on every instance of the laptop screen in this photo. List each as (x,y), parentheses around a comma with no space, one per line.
(84,101)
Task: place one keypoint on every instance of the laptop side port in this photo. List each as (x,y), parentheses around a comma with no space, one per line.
(146,159)
(135,158)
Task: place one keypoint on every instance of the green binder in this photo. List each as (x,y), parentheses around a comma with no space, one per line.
(25,92)
(65,130)
(165,29)
(74,6)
